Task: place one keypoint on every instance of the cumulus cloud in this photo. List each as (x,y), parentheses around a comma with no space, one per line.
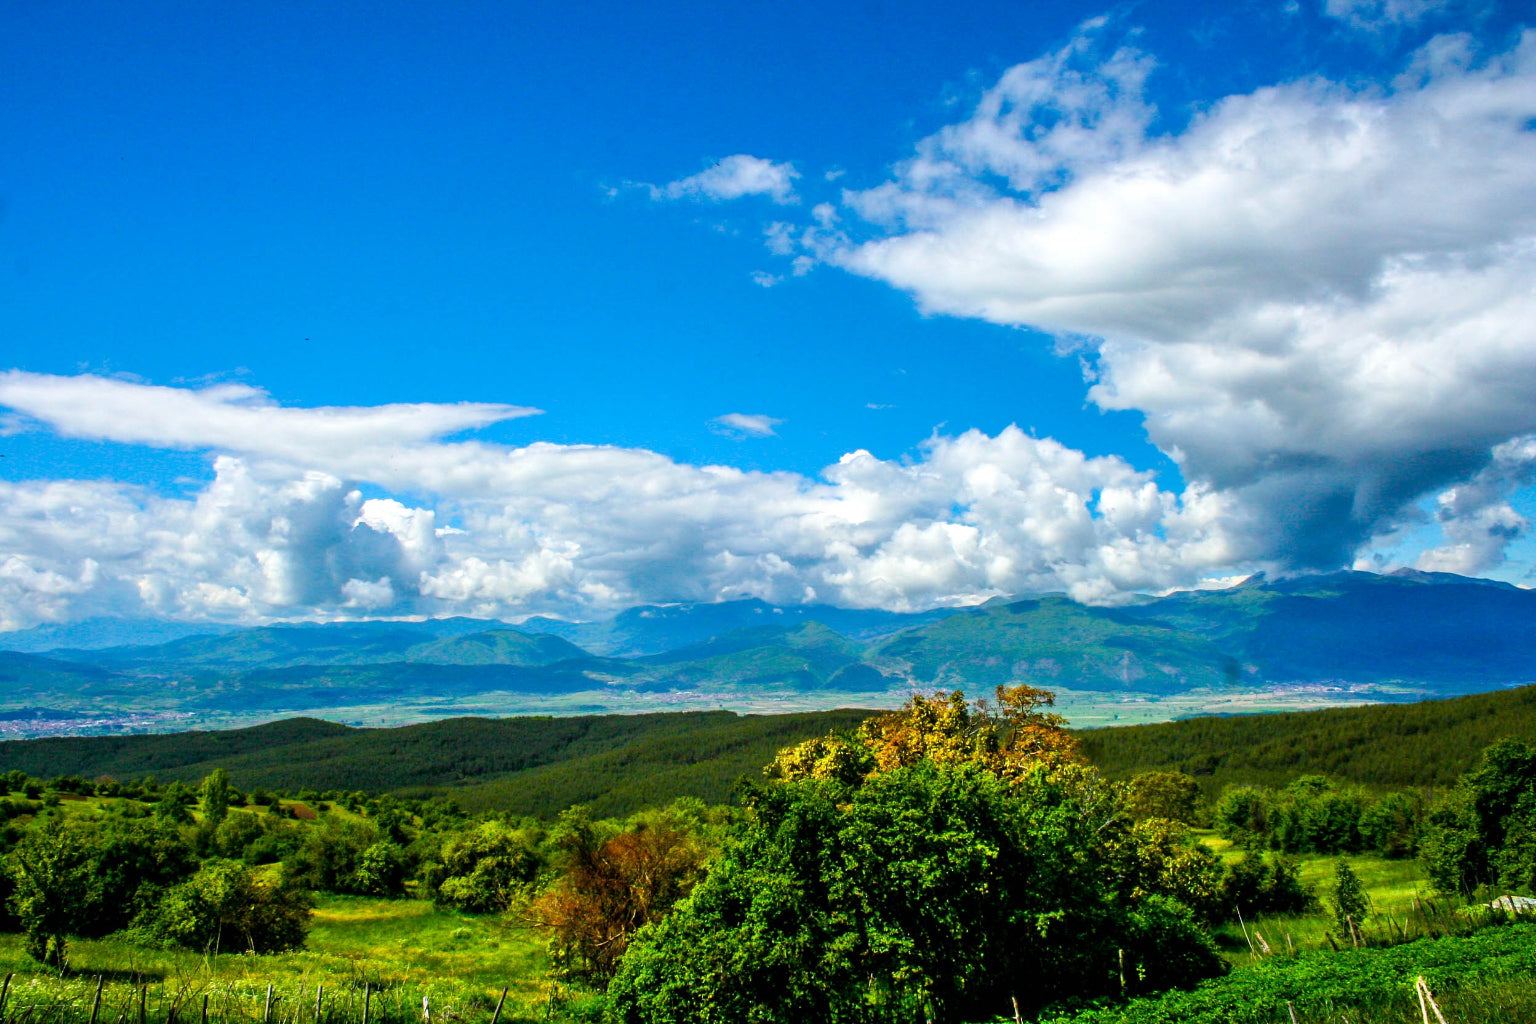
(1320,296)
(744,424)
(1477,521)
(576,529)
(733,178)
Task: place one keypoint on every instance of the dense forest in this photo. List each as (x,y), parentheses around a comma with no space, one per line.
(527,765)
(620,763)
(1426,743)
(950,861)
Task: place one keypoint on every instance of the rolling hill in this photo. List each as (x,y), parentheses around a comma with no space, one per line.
(534,765)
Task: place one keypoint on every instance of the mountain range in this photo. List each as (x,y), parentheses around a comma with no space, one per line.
(1427,633)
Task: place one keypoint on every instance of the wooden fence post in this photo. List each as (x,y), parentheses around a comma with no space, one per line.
(1426,995)
(367,997)
(266,1014)
(96,1003)
(496,1017)
(319,995)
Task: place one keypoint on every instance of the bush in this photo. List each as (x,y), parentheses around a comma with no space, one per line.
(1171,795)
(1257,885)
(348,857)
(224,908)
(1242,815)
(236,833)
(1168,948)
(1156,857)
(1391,824)
(486,869)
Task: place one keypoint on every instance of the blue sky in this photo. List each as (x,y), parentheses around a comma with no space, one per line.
(1174,245)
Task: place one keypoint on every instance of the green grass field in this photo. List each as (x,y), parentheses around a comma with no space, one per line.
(402,950)
(1397,891)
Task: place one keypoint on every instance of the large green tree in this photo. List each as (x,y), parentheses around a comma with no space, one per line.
(1484,832)
(931,890)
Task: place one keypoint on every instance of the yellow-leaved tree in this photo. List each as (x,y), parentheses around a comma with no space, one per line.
(1005,738)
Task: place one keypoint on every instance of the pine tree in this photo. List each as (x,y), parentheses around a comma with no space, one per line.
(1348,896)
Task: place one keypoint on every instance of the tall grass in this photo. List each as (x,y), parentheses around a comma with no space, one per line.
(1403,907)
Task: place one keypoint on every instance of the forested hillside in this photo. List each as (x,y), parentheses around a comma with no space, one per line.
(530,765)
(1429,743)
(540,765)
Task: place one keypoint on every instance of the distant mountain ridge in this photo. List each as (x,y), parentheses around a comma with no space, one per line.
(97,633)
(657,629)
(1431,634)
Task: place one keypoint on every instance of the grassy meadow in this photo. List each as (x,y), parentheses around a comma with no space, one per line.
(401,950)
(1397,890)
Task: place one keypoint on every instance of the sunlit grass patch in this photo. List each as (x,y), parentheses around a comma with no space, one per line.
(1393,885)
(1395,888)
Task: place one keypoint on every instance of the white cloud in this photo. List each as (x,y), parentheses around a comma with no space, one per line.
(511,531)
(233,417)
(745,424)
(1322,297)
(1375,15)
(733,178)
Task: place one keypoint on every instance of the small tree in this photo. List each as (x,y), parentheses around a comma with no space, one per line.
(613,882)
(213,796)
(55,884)
(487,869)
(1348,896)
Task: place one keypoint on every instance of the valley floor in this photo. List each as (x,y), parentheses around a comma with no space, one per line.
(1084,709)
